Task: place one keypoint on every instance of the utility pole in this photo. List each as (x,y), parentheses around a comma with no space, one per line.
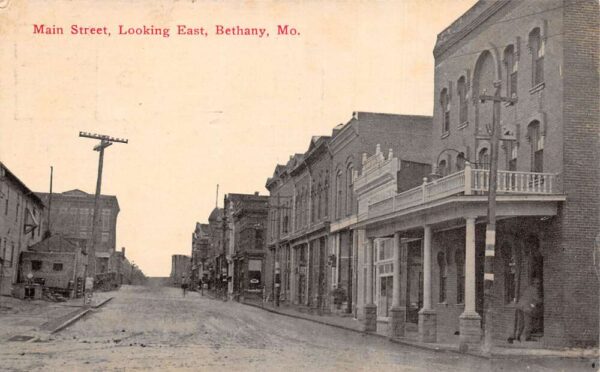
(105,141)
(490,230)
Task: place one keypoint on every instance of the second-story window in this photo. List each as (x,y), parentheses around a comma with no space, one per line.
(326,195)
(442,168)
(445,110)
(461,89)
(349,191)
(460,161)
(537,147)
(537,46)
(511,64)
(338,194)
(483,159)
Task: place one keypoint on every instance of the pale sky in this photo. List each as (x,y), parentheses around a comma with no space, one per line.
(199,111)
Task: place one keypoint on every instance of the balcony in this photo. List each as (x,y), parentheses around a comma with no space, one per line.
(466,182)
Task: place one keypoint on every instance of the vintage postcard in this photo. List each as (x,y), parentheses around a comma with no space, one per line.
(199,185)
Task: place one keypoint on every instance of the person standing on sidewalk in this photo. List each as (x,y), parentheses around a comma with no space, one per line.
(528,308)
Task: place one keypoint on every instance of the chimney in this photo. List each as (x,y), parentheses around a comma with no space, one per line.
(123,251)
(256,193)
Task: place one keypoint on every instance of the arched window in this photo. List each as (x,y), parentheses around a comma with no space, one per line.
(445,108)
(441,260)
(459,259)
(326,195)
(483,159)
(442,168)
(537,47)
(461,90)
(319,200)
(460,161)
(511,65)
(338,194)
(536,139)
(313,202)
(349,191)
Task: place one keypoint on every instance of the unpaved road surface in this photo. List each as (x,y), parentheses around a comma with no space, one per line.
(156,328)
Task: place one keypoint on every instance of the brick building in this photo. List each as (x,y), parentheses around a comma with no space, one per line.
(200,252)
(21,216)
(544,55)
(249,233)
(407,136)
(71,215)
(281,208)
(313,200)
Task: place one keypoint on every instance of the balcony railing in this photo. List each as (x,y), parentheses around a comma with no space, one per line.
(465,182)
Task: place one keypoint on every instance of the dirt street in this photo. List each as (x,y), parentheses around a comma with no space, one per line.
(156,328)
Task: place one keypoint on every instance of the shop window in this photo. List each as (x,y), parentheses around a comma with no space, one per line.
(441,260)
(537,46)
(459,259)
(510,273)
(36,265)
(57,266)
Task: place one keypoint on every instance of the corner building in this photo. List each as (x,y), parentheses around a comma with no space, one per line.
(544,55)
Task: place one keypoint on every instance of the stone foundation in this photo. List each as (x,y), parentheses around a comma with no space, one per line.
(427,326)
(470,328)
(370,320)
(396,323)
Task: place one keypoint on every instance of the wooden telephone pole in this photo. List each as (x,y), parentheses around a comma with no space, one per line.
(105,141)
(490,230)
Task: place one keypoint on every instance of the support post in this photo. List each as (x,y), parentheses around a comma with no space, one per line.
(469,320)
(397,312)
(370,307)
(427,316)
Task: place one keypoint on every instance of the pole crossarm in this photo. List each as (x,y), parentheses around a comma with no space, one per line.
(103,137)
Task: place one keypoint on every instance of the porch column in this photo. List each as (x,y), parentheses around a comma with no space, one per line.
(397,312)
(370,307)
(469,320)
(427,318)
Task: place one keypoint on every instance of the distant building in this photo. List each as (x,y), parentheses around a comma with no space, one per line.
(249,227)
(71,215)
(180,269)
(21,215)
(200,252)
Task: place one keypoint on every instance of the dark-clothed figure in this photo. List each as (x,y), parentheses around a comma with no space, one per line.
(184,285)
(528,308)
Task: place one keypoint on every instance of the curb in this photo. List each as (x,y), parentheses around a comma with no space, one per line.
(70,321)
(78,316)
(397,341)
(426,347)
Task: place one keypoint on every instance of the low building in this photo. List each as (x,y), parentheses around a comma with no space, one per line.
(21,217)
(55,263)
(71,215)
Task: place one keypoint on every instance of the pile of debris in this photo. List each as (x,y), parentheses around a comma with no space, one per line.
(53,296)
